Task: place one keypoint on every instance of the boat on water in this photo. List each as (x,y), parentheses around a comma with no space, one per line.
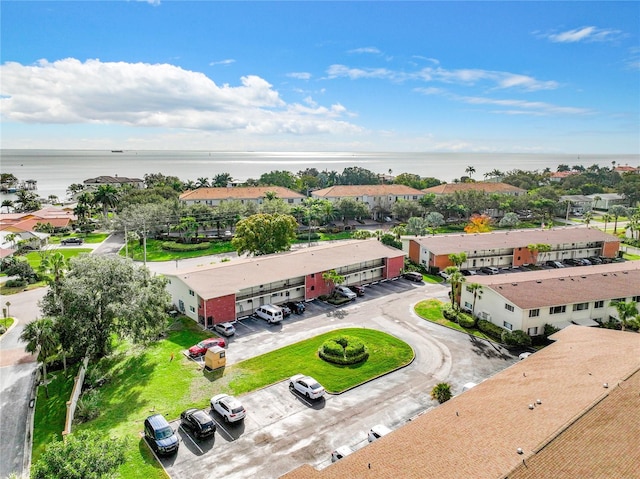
(117,151)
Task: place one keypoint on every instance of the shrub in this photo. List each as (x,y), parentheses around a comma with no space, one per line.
(173,246)
(441,392)
(516,338)
(466,320)
(16,283)
(307,236)
(491,329)
(343,350)
(87,408)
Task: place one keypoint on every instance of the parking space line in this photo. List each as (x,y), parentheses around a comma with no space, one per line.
(301,397)
(248,327)
(191,439)
(225,431)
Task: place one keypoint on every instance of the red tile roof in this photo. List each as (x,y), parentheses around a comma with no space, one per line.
(485,186)
(238,193)
(342,191)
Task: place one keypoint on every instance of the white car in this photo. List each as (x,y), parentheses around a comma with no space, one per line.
(307,386)
(524,355)
(339,453)
(226,329)
(228,407)
(377,432)
(345,292)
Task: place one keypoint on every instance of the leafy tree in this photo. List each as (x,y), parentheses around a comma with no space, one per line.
(187,227)
(616,211)
(278,178)
(264,234)
(634,224)
(153,180)
(409,179)
(627,311)
(606,218)
(355,175)
(587,218)
(146,219)
(82,455)
(479,224)
(390,240)
(536,249)
(509,220)
(629,187)
(23,270)
(221,180)
(441,392)
(333,279)
(275,206)
(456,278)
(348,208)
(7,204)
(101,296)
(55,265)
(433,221)
(404,209)
(202,182)
(26,201)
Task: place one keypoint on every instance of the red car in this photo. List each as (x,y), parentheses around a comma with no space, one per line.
(201,348)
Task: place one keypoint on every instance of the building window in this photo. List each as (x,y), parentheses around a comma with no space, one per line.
(509,307)
(534,313)
(290,200)
(532,331)
(469,289)
(509,326)
(557,309)
(191,293)
(598,304)
(192,309)
(635,299)
(468,306)
(580,306)
(312,287)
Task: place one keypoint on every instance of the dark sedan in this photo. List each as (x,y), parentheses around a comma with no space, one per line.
(198,422)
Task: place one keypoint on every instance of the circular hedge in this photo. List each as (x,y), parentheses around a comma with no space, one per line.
(173,246)
(343,350)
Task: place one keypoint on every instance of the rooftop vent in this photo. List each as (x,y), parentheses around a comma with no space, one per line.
(538,281)
(514,284)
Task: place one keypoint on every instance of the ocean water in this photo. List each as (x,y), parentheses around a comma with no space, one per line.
(55,170)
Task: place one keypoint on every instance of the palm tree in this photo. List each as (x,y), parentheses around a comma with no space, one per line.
(202,182)
(221,180)
(476,289)
(616,211)
(56,264)
(470,170)
(626,311)
(606,218)
(588,216)
(7,204)
(270,195)
(458,258)
(107,196)
(456,278)
(42,341)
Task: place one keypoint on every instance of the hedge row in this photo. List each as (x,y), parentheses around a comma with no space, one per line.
(491,329)
(173,246)
(516,338)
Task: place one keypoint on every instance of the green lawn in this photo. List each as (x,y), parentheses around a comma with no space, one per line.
(431,310)
(144,380)
(34,258)
(88,238)
(156,253)
(6,322)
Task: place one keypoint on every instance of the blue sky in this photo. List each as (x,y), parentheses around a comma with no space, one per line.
(538,77)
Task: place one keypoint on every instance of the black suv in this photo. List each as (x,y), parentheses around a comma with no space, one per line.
(159,435)
(67,241)
(297,307)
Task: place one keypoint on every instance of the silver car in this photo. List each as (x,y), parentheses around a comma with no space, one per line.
(228,407)
(226,329)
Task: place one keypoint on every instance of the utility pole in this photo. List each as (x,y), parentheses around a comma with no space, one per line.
(144,241)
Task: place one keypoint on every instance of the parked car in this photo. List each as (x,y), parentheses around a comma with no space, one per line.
(201,348)
(270,313)
(524,355)
(345,292)
(377,432)
(468,272)
(595,260)
(605,260)
(286,310)
(413,276)
(298,307)
(226,329)
(198,422)
(228,407)
(490,270)
(358,289)
(68,241)
(585,262)
(572,262)
(158,433)
(554,264)
(444,275)
(307,386)
(339,453)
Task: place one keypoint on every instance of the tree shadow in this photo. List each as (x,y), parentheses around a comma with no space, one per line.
(487,349)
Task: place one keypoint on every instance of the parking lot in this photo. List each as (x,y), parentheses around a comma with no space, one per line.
(283,430)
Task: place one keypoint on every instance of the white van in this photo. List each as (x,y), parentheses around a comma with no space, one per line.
(377,432)
(270,313)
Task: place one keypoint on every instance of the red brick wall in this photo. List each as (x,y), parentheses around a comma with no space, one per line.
(526,257)
(610,249)
(316,286)
(414,251)
(222,309)
(394,267)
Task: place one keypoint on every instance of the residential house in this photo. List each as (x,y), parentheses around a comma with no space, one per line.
(568,411)
(216,293)
(487,187)
(559,297)
(510,248)
(559,176)
(621,169)
(577,204)
(379,198)
(56,217)
(604,201)
(115,181)
(244,194)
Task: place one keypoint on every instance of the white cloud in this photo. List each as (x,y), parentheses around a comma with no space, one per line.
(372,50)
(496,79)
(525,107)
(227,61)
(300,75)
(584,34)
(159,95)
